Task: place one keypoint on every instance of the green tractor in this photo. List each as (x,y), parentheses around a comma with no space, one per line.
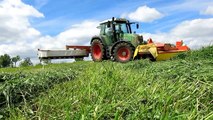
(116,41)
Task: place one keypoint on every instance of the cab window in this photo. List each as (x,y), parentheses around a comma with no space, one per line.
(121,27)
(102,27)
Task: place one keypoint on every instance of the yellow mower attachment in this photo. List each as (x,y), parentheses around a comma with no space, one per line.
(160,51)
(146,49)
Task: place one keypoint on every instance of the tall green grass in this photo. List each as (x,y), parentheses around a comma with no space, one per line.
(181,88)
(24,84)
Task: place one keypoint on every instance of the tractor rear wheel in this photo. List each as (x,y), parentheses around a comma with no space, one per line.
(123,52)
(97,50)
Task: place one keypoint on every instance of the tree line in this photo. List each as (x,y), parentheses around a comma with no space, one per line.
(8,61)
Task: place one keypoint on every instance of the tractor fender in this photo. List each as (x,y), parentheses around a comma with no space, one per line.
(97,37)
(116,43)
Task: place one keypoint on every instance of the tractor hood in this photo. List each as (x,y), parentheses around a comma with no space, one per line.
(135,39)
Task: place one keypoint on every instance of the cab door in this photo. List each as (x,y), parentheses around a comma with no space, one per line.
(107,34)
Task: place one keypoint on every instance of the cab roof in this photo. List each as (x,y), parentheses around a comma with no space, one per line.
(116,20)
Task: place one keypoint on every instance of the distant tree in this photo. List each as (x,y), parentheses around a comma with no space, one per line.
(5,60)
(26,62)
(16,59)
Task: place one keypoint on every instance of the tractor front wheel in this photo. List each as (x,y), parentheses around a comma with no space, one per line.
(123,52)
(97,50)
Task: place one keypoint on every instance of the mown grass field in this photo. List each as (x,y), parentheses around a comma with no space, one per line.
(181,88)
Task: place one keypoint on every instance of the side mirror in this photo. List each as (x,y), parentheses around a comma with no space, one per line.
(137,25)
(108,24)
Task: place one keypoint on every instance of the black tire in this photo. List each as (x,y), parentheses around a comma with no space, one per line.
(123,52)
(107,55)
(97,50)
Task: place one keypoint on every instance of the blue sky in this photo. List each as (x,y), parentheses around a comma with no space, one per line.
(27,25)
(60,14)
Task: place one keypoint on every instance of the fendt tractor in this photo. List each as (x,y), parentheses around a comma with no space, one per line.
(117,42)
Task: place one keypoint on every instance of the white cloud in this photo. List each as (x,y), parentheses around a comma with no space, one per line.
(208,11)
(79,34)
(14,21)
(144,14)
(186,6)
(194,28)
(195,33)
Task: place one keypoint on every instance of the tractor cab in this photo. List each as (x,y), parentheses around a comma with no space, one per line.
(118,29)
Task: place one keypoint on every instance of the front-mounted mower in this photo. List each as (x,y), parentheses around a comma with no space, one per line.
(117,42)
